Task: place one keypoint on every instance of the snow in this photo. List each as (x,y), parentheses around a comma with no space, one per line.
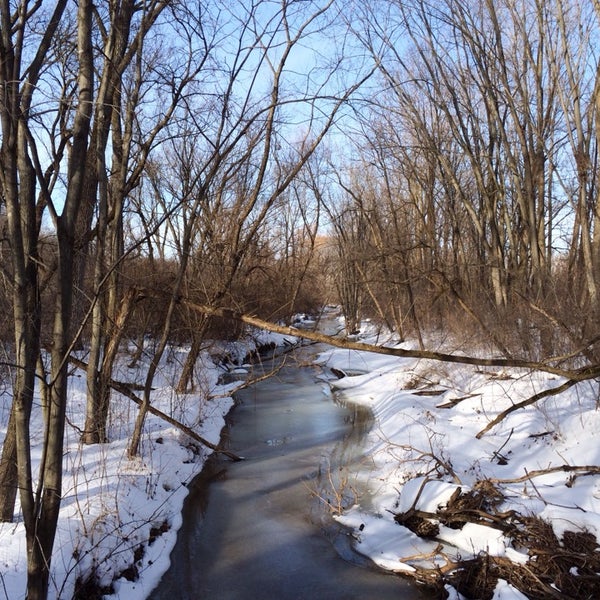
(421,448)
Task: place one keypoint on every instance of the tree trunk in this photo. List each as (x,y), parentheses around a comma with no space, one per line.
(187,372)
(40,539)
(8,472)
(41,517)
(97,410)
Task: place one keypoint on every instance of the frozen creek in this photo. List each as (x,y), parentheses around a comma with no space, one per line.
(259,529)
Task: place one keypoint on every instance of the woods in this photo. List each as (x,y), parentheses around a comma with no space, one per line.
(480,151)
(432,166)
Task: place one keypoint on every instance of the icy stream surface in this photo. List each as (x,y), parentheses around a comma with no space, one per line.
(257,529)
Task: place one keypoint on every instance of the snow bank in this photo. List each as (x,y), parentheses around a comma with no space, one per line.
(423,447)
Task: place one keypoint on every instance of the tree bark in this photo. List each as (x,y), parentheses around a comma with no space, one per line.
(8,471)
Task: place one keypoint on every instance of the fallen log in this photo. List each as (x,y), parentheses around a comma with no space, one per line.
(126,390)
(577,375)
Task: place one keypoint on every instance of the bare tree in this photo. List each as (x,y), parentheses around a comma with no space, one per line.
(485,112)
(56,117)
(20,176)
(350,251)
(296,228)
(577,90)
(232,175)
(132,71)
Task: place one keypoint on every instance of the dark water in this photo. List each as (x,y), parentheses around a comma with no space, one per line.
(257,529)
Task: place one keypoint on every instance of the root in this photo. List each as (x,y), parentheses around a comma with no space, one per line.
(556,568)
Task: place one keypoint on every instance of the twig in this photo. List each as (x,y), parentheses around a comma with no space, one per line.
(497,452)
(424,556)
(4,585)
(439,462)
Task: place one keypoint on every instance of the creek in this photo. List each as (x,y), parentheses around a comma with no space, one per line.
(261,529)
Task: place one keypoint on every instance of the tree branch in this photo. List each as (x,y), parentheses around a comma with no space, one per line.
(531,400)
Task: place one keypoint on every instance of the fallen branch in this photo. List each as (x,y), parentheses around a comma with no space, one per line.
(580,469)
(531,400)
(126,390)
(456,401)
(123,389)
(454,517)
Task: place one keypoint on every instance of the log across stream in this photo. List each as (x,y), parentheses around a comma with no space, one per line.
(259,529)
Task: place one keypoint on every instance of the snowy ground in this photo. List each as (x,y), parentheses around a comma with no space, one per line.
(423,447)
(118,513)
(120,516)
